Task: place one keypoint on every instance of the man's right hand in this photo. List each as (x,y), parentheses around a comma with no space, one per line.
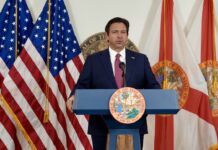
(69,103)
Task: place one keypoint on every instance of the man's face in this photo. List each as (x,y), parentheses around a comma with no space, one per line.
(117,36)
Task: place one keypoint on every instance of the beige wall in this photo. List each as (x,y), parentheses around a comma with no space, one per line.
(90,16)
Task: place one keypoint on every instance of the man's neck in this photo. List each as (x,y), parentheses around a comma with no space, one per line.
(117,50)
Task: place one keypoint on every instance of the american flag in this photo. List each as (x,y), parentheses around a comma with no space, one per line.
(15,27)
(24,89)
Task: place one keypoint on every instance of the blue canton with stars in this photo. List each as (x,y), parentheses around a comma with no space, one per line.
(63,43)
(8,35)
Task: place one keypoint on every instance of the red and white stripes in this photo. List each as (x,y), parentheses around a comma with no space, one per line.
(24,90)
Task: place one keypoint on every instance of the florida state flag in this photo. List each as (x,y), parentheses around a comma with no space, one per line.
(175,68)
(202,34)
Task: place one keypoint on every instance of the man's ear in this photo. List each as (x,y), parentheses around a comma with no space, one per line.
(106,36)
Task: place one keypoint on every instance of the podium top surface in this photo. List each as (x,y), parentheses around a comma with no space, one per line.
(96,101)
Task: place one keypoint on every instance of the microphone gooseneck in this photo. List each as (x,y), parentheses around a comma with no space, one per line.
(122,66)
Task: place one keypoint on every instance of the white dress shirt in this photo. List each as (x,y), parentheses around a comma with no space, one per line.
(113,54)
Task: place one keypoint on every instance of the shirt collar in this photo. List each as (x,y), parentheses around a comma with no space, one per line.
(113,53)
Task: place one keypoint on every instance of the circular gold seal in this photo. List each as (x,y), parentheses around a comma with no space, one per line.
(97,42)
(171,76)
(127,105)
(210,71)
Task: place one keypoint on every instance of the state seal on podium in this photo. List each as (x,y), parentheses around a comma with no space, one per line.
(127,105)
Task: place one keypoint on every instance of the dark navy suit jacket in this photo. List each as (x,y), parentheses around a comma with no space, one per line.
(98,74)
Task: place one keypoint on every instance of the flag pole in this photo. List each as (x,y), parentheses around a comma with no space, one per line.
(215,86)
(46,112)
(165,81)
(16,34)
(214,31)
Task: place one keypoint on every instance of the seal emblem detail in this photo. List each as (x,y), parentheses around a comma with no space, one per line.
(127,105)
(175,78)
(210,72)
(98,42)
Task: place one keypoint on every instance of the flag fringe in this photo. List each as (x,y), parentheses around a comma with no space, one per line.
(10,111)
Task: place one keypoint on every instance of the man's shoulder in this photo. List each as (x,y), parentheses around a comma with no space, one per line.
(96,54)
(138,54)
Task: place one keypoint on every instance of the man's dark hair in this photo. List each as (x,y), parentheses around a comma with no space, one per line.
(117,20)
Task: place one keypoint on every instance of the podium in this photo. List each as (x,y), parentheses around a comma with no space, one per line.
(96,102)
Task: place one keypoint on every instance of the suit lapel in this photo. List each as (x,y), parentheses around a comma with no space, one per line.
(105,58)
(130,64)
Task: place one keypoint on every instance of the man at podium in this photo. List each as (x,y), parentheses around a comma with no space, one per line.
(114,68)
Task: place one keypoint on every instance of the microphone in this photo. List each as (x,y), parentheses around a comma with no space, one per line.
(122,66)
